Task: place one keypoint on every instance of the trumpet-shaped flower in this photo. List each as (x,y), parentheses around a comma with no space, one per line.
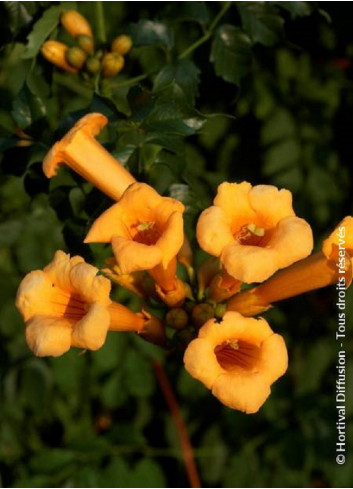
(86,156)
(332,265)
(238,359)
(253,230)
(145,229)
(67,304)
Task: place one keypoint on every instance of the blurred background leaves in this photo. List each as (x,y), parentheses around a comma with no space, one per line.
(211,91)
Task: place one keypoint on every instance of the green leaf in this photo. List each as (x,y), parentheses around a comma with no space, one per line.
(296,9)
(261,21)
(281,156)
(36,380)
(27,108)
(147,473)
(87,477)
(113,392)
(138,374)
(110,355)
(231,53)
(117,474)
(41,30)
(313,366)
(184,73)
(212,466)
(20,14)
(50,461)
(10,231)
(151,33)
(280,125)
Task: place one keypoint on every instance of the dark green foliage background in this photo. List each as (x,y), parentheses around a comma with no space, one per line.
(267,97)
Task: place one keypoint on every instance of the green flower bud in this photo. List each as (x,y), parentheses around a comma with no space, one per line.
(177,318)
(86,43)
(202,313)
(76,57)
(93,65)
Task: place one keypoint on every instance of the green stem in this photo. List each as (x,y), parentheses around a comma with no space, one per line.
(130,81)
(72,84)
(208,33)
(102,35)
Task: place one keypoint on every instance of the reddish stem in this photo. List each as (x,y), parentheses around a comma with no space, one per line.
(173,405)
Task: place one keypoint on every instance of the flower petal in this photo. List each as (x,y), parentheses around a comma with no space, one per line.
(270,205)
(201,362)
(48,336)
(132,256)
(213,231)
(34,295)
(235,326)
(273,358)
(90,332)
(233,198)
(59,269)
(292,240)
(107,225)
(88,285)
(249,263)
(240,391)
(172,238)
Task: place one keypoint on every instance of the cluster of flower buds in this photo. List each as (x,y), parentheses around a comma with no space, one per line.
(252,236)
(83,56)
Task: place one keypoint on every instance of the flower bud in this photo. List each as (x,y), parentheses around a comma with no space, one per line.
(76,57)
(202,313)
(112,64)
(93,65)
(86,43)
(153,330)
(177,318)
(55,53)
(75,24)
(122,44)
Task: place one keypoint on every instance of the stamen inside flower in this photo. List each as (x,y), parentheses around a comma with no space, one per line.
(252,235)
(236,354)
(146,232)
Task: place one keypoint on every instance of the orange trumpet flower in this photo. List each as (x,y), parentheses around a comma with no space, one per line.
(253,230)
(238,359)
(332,265)
(67,304)
(146,233)
(86,156)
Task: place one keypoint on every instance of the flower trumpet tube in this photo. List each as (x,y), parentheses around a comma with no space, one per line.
(122,319)
(238,360)
(75,24)
(253,230)
(146,233)
(55,52)
(79,150)
(327,267)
